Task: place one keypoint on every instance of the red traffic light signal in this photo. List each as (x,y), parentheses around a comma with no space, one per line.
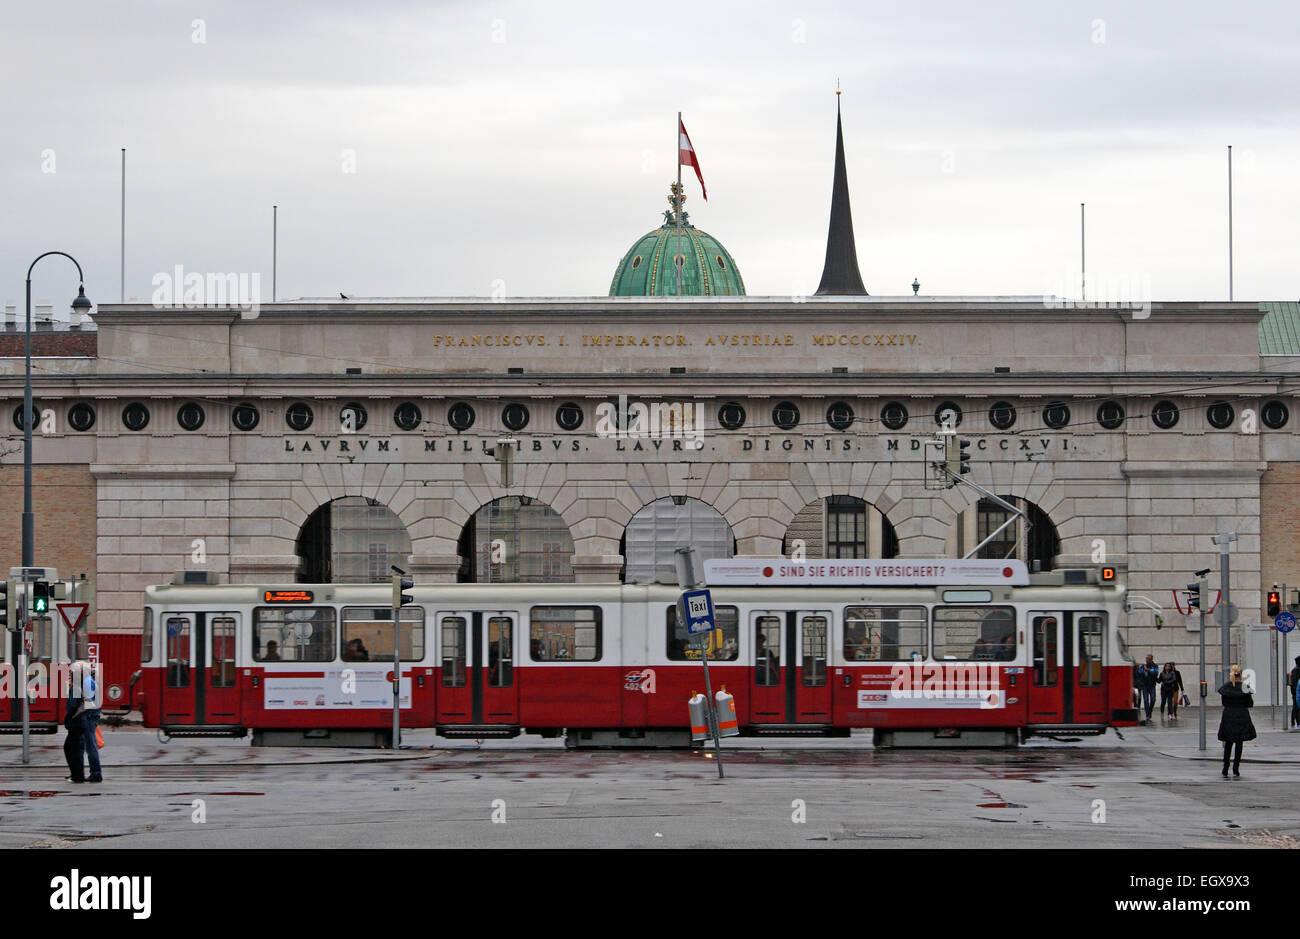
(1274,603)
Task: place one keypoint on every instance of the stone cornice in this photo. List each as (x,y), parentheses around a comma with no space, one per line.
(1190,470)
(170,471)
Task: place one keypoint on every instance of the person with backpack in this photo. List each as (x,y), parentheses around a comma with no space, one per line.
(1235,727)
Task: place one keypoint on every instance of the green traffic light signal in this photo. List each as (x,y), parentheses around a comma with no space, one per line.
(40,597)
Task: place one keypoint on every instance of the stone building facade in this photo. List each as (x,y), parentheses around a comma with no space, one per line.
(212,437)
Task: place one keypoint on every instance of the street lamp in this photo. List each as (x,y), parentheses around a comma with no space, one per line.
(79,306)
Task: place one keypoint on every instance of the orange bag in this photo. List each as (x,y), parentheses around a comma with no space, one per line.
(99,738)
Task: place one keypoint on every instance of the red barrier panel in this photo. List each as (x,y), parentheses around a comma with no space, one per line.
(119,657)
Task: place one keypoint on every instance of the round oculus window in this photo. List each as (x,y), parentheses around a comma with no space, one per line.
(245,416)
(786,415)
(839,415)
(1002,415)
(894,415)
(352,417)
(1056,415)
(1220,415)
(135,416)
(568,416)
(731,416)
(1164,415)
(1274,414)
(1110,415)
(299,416)
(460,416)
(190,416)
(407,415)
(515,416)
(81,416)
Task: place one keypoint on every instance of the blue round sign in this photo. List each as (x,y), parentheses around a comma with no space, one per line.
(1285,622)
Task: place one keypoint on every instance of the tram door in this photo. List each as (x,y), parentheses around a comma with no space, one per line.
(1047,676)
(813,690)
(199,675)
(788,676)
(478,651)
(1089,685)
(454,695)
(178,674)
(766,675)
(496,655)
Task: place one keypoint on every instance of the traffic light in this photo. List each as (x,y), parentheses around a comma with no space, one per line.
(7,619)
(957,455)
(400,583)
(1194,596)
(1274,603)
(40,596)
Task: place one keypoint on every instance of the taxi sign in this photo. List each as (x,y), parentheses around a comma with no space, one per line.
(1285,622)
(895,572)
(699,611)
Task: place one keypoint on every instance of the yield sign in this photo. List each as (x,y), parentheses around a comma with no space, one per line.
(74,614)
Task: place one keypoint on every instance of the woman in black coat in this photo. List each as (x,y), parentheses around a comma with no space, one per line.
(1235,727)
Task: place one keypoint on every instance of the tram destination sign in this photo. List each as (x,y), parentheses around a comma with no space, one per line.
(894,572)
(287,596)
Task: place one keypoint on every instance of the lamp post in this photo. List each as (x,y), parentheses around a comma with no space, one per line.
(79,305)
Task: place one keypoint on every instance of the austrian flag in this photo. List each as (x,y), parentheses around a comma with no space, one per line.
(686,156)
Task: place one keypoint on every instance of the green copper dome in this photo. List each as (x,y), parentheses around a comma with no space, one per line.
(648,270)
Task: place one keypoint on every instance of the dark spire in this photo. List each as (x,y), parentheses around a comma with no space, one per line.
(840,276)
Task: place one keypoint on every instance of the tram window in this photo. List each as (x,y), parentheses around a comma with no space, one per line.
(368,634)
(146,638)
(1091,630)
(223,652)
(501,652)
(565,633)
(726,618)
(884,633)
(453,652)
(975,633)
(300,634)
(178,651)
(767,651)
(814,651)
(1045,665)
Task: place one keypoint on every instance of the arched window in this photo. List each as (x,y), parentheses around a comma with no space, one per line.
(658,529)
(1038,542)
(352,540)
(841,527)
(516,540)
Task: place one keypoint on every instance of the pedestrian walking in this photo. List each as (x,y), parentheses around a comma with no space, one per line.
(1294,681)
(1171,688)
(81,718)
(1235,727)
(1148,674)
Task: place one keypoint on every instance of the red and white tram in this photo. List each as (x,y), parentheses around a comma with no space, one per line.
(924,652)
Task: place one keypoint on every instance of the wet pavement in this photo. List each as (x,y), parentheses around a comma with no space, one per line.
(1090,792)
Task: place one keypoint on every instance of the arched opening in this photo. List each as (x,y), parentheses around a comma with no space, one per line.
(841,527)
(516,540)
(658,529)
(352,540)
(1038,542)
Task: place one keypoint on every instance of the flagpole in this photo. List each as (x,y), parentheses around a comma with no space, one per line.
(678,205)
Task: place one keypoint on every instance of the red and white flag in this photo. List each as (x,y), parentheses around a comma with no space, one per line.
(686,155)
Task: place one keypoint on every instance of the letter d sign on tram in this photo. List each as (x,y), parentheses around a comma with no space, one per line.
(699,611)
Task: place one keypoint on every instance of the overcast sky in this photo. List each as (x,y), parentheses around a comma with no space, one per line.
(532,142)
